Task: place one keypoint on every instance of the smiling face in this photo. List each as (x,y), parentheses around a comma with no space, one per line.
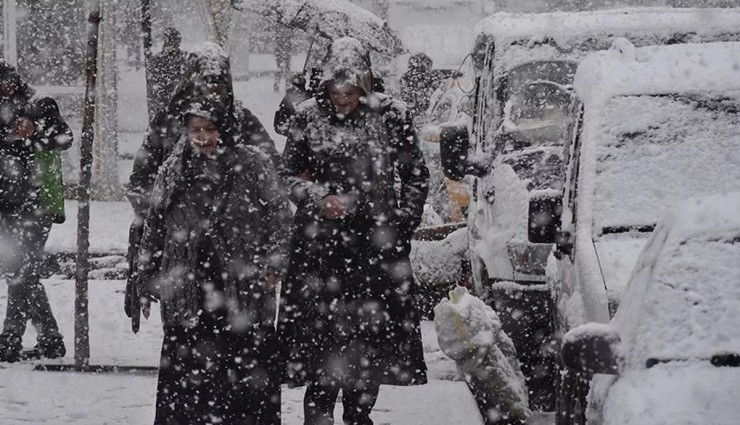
(345,98)
(203,135)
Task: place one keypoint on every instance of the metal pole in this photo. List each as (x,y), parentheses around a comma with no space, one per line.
(82,321)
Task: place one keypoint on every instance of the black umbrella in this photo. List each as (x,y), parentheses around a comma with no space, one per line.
(331,19)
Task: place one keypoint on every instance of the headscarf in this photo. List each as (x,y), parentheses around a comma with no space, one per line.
(347,62)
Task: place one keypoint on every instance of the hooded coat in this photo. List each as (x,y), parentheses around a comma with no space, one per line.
(217,227)
(242,218)
(348,296)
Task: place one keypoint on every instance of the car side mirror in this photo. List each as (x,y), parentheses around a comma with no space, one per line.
(563,244)
(454,144)
(591,348)
(544,218)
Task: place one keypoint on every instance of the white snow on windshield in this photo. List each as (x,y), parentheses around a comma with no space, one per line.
(685,146)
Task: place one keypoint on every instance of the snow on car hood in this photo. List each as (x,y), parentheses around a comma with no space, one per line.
(617,258)
(677,393)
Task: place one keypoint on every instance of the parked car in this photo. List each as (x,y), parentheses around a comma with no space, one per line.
(671,355)
(522,124)
(655,125)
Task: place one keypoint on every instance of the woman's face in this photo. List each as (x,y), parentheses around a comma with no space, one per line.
(203,135)
(345,98)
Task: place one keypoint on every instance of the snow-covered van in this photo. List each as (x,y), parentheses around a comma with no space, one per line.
(523,120)
(655,125)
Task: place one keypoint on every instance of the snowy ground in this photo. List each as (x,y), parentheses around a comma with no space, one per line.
(28,396)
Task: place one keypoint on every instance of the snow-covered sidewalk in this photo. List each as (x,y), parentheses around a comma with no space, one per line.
(28,396)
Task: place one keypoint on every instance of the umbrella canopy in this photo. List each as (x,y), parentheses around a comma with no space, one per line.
(331,19)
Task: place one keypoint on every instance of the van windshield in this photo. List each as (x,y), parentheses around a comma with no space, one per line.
(536,96)
(652,151)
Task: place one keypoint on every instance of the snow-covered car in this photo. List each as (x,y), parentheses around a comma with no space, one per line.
(524,120)
(671,355)
(656,125)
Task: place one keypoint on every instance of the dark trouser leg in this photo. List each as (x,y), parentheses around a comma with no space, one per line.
(358,402)
(190,388)
(27,298)
(318,404)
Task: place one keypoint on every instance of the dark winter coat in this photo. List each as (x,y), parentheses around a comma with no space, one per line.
(349,293)
(166,69)
(231,207)
(20,185)
(210,64)
(418,84)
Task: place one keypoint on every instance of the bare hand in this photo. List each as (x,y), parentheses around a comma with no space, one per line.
(332,207)
(146,306)
(272,282)
(24,127)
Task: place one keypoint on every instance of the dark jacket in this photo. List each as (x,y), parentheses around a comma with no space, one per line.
(20,183)
(241,220)
(418,84)
(349,293)
(166,69)
(209,64)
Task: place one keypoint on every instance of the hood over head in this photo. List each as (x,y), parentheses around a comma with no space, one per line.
(208,64)
(347,62)
(421,62)
(9,74)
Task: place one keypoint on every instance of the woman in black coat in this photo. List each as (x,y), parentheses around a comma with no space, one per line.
(359,182)
(213,247)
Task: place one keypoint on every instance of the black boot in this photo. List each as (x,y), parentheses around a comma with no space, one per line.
(10,348)
(50,347)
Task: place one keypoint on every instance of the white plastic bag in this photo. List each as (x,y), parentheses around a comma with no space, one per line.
(469,332)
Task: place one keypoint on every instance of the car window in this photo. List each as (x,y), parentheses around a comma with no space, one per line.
(536,101)
(652,151)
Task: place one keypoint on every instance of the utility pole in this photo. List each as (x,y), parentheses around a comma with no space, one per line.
(82,320)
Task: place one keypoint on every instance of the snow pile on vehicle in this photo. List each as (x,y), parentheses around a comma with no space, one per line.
(470,333)
(439,262)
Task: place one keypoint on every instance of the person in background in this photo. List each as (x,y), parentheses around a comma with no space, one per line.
(418,84)
(166,69)
(297,92)
(283,51)
(213,249)
(357,177)
(30,201)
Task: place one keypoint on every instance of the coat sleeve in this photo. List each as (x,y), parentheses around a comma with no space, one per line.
(150,254)
(255,134)
(411,171)
(296,167)
(147,162)
(276,223)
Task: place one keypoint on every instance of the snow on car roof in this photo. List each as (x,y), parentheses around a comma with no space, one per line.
(564,27)
(626,70)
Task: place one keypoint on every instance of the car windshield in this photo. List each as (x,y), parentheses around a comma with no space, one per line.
(652,151)
(537,98)
(692,295)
